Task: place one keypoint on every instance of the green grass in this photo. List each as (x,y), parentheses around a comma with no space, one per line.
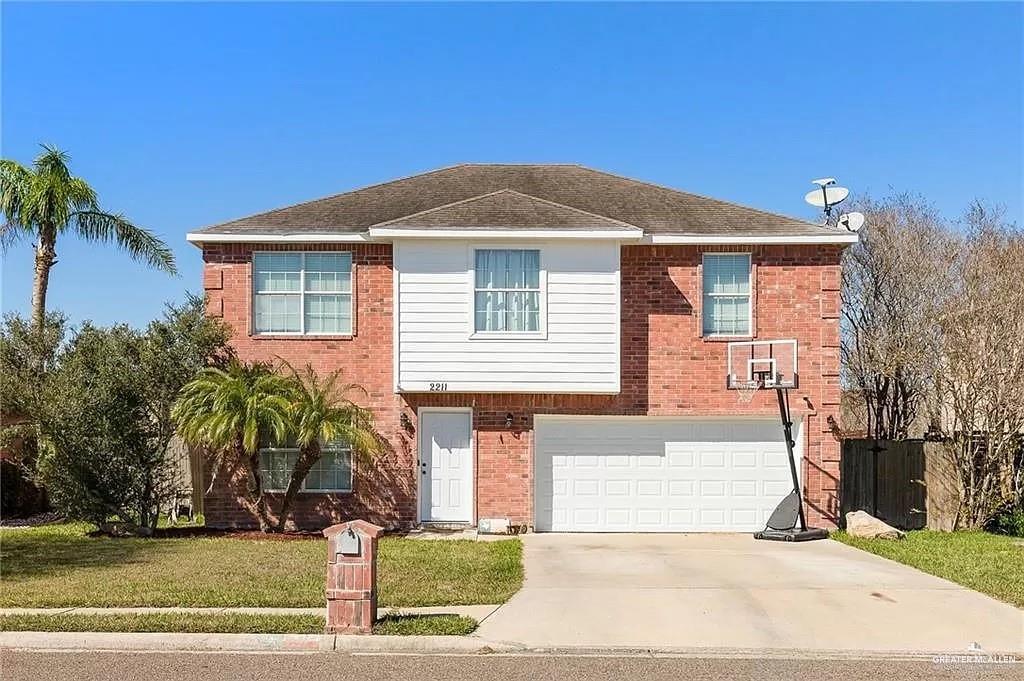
(194,623)
(989,563)
(168,622)
(425,625)
(60,566)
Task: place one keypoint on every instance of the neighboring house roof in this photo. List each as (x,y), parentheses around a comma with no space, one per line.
(502,196)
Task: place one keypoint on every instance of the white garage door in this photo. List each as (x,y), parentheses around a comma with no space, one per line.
(650,474)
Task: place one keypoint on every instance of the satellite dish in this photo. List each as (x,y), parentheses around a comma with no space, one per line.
(827,196)
(852,221)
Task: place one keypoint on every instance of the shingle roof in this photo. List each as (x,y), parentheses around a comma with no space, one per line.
(507,209)
(467,193)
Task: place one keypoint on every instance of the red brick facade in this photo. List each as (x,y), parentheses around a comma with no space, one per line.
(667,369)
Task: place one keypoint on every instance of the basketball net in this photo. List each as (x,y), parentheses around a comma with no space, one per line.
(746,391)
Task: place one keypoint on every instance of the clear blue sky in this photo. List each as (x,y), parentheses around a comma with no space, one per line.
(183,115)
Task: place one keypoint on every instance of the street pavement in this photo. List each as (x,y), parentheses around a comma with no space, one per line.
(92,666)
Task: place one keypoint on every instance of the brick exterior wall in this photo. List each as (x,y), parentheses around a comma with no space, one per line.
(667,369)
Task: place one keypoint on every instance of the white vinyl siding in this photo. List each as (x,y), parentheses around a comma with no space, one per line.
(437,347)
(507,290)
(302,293)
(726,286)
(332,473)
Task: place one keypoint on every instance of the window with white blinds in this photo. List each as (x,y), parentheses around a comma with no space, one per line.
(302,293)
(506,293)
(331,473)
(726,286)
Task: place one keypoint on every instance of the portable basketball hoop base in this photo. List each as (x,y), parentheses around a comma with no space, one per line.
(782,523)
(773,365)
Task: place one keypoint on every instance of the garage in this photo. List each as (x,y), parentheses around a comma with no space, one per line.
(658,474)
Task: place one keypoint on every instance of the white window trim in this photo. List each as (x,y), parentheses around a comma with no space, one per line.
(302,293)
(303,489)
(750,294)
(542,322)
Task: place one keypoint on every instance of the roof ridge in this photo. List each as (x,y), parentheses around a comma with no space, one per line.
(513,165)
(699,196)
(505,190)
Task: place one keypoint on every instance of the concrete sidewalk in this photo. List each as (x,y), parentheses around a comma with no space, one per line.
(477,612)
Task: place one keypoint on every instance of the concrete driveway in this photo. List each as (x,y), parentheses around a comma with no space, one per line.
(730,591)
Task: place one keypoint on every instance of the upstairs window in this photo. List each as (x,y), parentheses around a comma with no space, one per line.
(302,293)
(726,287)
(506,292)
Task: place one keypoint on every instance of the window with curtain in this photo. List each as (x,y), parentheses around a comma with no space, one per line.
(726,288)
(332,473)
(302,293)
(507,290)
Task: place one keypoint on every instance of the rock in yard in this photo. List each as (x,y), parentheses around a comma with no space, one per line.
(862,524)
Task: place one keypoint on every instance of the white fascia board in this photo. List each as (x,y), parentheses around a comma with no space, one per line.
(838,238)
(616,235)
(473,387)
(299,237)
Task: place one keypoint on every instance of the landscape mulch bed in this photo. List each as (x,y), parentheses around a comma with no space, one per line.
(196,531)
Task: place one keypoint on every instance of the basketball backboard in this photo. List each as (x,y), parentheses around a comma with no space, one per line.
(762,364)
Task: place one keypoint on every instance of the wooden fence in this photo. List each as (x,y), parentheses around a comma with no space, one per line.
(909,484)
(886,478)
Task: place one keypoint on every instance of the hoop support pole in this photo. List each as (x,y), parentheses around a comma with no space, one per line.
(787,430)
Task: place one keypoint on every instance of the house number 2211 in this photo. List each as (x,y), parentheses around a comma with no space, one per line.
(438,387)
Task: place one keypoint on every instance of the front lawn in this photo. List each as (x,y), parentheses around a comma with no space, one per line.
(989,563)
(61,566)
(191,623)
(425,625)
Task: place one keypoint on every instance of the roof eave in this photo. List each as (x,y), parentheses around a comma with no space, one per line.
(725,239)
(384,234)
(200,238)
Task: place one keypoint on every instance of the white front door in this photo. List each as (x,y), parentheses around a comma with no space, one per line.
(446,466)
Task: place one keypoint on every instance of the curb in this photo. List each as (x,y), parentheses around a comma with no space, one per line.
(440,645)
(97,641)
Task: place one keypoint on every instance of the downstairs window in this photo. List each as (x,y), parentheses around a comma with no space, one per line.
(332,473)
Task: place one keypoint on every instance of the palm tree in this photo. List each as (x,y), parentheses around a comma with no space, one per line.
(230,412)
(46,201)
(320,413)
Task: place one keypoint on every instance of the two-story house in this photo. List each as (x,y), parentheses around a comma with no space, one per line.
(544,344)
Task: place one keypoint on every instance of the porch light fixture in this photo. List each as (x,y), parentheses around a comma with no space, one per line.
(508,420)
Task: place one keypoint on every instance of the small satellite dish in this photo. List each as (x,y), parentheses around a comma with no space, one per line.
(852,221)
(827,196)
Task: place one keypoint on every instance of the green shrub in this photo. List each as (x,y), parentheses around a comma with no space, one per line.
(1007,520)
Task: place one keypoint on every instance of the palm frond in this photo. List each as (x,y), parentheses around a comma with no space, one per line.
(140,243)
(14,187)
(53,161)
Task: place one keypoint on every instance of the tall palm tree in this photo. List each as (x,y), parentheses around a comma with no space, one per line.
(230,412)
(45,201)
(321,412)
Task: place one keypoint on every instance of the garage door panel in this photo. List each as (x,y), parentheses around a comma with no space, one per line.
(658,475)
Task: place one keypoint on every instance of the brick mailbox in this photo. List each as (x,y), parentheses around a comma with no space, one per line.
(351,577)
